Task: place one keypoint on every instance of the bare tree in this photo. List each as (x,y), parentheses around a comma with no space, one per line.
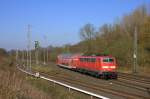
(87,33)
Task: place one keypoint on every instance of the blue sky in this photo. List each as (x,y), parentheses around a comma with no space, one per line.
(58,20)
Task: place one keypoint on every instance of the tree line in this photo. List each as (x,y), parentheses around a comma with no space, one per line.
(116,39)
(113,39)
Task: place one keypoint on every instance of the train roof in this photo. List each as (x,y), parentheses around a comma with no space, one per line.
(95,56)
(69,55)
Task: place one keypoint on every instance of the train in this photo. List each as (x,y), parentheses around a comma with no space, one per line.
(103,66)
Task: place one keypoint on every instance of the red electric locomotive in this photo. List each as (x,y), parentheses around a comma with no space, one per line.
(100,66)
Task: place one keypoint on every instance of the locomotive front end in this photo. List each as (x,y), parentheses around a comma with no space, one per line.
(108,67)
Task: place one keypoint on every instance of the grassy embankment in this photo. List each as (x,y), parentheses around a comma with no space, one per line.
(145,70)
(16,85)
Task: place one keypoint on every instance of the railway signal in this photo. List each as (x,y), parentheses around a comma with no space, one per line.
(37,46)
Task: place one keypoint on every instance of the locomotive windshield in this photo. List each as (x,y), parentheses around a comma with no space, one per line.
(108,60)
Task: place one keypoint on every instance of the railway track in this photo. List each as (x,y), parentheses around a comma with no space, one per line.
(142,84)
(96,87)
(133,77)
(124,79)
(137,80)
(131,85)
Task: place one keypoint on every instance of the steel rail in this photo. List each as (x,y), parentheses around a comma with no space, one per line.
(63,84)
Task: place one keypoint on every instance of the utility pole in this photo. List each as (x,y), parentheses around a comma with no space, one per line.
(27,55)
(23,56)
(44,55)
(17,56)
(26,58)
(46,49)
(135,52)
(47,54)
(22,61)
(29,48)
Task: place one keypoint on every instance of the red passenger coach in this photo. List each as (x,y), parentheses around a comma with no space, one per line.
(100,66)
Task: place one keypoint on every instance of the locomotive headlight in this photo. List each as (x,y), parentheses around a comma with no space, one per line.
(105,67)
(113,67)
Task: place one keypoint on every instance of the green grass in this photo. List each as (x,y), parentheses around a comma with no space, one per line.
(141,70)
(57,91)
(48,69)
(42,68)
(125,69)
(54,90)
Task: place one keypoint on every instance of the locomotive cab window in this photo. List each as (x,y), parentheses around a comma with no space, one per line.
(108,60)
(111,60)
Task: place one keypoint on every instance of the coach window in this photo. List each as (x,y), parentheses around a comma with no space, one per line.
(93,59)
(89,59)
(86,59)
(105,60)
(81,59)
